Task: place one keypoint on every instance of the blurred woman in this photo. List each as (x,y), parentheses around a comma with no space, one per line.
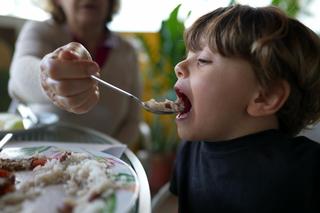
(85,22)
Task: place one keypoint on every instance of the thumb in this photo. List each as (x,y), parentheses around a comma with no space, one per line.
(73,51)
(68,55)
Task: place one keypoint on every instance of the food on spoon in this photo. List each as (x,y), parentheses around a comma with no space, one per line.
(165,106)
(10,121)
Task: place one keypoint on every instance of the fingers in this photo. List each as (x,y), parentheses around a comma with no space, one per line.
(65,78)
(67,55)
(68,69)
(88,104)
(75,49)
(69,62)
(70,87)
(80,103)
(72,51)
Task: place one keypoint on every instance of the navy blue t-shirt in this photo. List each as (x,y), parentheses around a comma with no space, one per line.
(262,172)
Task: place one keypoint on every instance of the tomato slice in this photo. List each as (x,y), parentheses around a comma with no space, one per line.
(7,181)
(38,162)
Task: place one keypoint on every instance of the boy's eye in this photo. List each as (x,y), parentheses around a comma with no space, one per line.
(202,61)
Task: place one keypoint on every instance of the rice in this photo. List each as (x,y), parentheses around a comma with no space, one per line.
(84,179)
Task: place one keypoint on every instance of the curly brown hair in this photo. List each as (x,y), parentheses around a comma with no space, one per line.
(59,16)
(277,47)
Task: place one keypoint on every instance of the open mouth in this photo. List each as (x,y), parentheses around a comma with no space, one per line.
(184,101)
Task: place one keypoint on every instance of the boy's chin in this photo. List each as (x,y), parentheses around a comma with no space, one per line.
(186,135)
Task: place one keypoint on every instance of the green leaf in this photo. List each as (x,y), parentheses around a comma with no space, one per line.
(110,204)
(291,7)
(29,151)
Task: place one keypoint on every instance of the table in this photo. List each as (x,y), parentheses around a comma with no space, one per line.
(64,132)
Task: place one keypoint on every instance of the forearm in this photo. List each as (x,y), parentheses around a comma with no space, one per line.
(32,45)
(24,83)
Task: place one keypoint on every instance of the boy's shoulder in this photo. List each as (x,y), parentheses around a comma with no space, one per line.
(304,143)
(267,140)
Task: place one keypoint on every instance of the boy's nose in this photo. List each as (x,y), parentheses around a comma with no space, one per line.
(180,69)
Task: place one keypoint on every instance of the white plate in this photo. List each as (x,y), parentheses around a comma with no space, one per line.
(122,199)
(45,119)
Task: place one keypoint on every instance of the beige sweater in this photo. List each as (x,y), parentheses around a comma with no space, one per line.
(115,114)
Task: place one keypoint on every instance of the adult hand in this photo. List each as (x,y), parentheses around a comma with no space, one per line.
(65,78)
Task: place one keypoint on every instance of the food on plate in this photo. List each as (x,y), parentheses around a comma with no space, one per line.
(86,181)
(7,180)
(10,121)
(164,106)
(22,164)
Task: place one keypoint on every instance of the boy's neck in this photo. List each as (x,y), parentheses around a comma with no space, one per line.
(251,126)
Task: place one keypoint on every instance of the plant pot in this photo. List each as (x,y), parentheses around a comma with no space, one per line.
(159,170)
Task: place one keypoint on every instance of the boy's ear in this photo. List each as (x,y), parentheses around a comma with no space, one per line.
(268,101)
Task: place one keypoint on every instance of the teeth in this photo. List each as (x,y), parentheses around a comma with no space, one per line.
(182,115)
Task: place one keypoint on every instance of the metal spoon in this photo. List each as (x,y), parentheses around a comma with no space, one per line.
(151,105)
(5,139)
(29,119)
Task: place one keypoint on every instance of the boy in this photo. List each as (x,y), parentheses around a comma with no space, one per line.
(250,83)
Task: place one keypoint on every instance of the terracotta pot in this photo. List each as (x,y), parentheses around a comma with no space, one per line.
(159,170)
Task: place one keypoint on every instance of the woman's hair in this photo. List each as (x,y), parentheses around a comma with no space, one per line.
(277,47)
(59,16)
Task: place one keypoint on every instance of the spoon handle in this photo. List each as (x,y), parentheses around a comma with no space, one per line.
(5,139)
(28,117)
(115,88)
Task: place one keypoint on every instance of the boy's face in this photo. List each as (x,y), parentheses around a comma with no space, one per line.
(219,90)
(84,12)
